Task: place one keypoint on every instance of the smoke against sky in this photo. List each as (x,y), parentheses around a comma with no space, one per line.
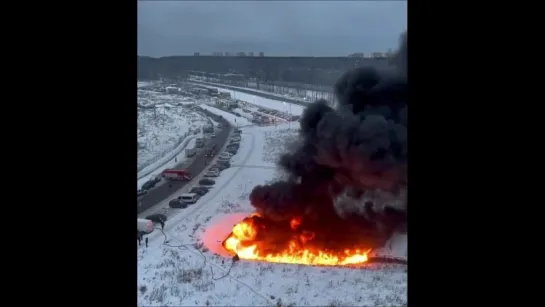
(350,160)
(281,28)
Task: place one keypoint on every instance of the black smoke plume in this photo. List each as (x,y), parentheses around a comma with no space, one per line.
(400,57)
(350,162)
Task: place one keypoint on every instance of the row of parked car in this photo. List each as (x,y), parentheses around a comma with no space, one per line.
(223,162)
(148,185)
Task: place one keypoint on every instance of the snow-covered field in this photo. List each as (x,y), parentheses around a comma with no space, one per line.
(189,270)
(163,127)
(279,105)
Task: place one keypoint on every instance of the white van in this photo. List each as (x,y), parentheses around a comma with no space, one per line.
(189,198)
(144,225)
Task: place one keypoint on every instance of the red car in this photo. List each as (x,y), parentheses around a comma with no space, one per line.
(176,174)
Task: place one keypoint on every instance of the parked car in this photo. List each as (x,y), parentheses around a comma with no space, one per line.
(222,166)
(207,182)
(151,183)
(199,190)
(225,154)
(223,159)
(141,192)
(225,162)
(157,218)
(212,173)
(190,198)
(232,147)
(177,203)
(232,150)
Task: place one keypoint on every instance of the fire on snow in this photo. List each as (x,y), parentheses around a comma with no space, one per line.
(258,239)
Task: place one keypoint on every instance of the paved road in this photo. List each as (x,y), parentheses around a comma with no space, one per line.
(251,92)
(163,191)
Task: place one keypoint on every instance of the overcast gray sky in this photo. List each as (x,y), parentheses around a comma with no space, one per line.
(282,28)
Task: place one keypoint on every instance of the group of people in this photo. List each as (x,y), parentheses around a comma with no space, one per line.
(139,237)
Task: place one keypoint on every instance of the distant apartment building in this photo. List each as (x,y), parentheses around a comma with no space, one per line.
(261,54)
(377,55)
(227,53)
(217,53)
(196,54)
(241,54)
(251,53)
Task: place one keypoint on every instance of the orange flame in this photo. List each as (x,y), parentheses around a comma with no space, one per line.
(242,242)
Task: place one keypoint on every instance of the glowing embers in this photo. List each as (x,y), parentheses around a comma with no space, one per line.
(288,242)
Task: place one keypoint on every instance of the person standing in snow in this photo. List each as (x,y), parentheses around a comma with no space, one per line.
(146,242)
(138,237)
(175,159)
(162,225)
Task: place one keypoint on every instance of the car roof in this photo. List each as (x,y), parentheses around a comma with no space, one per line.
(155,215)
(188,194)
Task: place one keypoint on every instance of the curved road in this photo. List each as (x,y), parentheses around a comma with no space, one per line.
(166,189)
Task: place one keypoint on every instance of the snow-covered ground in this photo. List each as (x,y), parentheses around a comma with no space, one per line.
(196,274)
(163,127)
(279,105)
